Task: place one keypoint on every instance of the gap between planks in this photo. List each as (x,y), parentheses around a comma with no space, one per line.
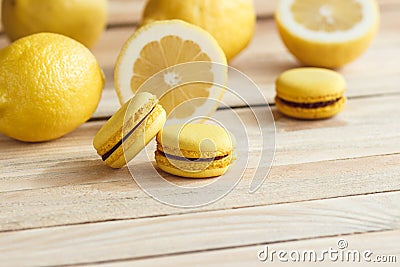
(379,242)
(129,12)
(122,12)
(123,200)
(302,171)
(234,228)
(346,131)
(205,211)
(267,57)
(267,105)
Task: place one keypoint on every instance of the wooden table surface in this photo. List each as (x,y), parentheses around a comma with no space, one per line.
(331,179)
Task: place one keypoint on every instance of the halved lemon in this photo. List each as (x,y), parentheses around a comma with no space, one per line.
(327,33)
(180,63)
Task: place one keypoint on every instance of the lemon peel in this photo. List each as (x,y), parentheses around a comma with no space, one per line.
(154,59)
(231,22)
(325,33)
(82,20)
(49,85)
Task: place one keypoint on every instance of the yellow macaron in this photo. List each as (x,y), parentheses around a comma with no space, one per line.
(129,130)
(195,150)
(310,93)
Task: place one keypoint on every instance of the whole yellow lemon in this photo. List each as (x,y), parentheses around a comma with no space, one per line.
(82,20)
(49,85)
(231,22)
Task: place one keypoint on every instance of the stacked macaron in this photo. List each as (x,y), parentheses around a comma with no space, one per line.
(192,150)
(195,150)
(204,150)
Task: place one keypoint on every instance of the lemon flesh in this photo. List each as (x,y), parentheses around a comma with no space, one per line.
(49,85)
(172,50)
(327,16)
(82,20)
(153,60)
(327,33)
(231,22)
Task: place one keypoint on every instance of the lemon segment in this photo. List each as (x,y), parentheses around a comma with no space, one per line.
(327,16)
(327,33)
(153,60)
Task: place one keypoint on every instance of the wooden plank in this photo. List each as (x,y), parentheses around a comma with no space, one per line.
(267,57)
(381,244)
(102,242)
(125,12)
(67,183)
(67,172)
(76,195)
(365,128)
(130,11)
(346,136)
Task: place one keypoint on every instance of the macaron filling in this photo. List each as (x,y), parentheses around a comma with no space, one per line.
(124,138)
(173,157)
(315,105)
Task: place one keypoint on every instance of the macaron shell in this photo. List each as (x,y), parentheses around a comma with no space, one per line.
(310,85)
(139,139)
(196,140)
(131,113)
(195,175)
(309,114)
(193,169)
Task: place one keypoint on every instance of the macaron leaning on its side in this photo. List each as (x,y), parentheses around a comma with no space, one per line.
(130,130)
(195,150)
(310,93)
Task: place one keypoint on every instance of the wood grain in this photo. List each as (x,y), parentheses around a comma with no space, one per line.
(129,11)
(68,172)
(60,205)
(152,237)
(381,244)
(267,57)
(373,74)
(122,13)
(115,196)
(125,12)
(365,128)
